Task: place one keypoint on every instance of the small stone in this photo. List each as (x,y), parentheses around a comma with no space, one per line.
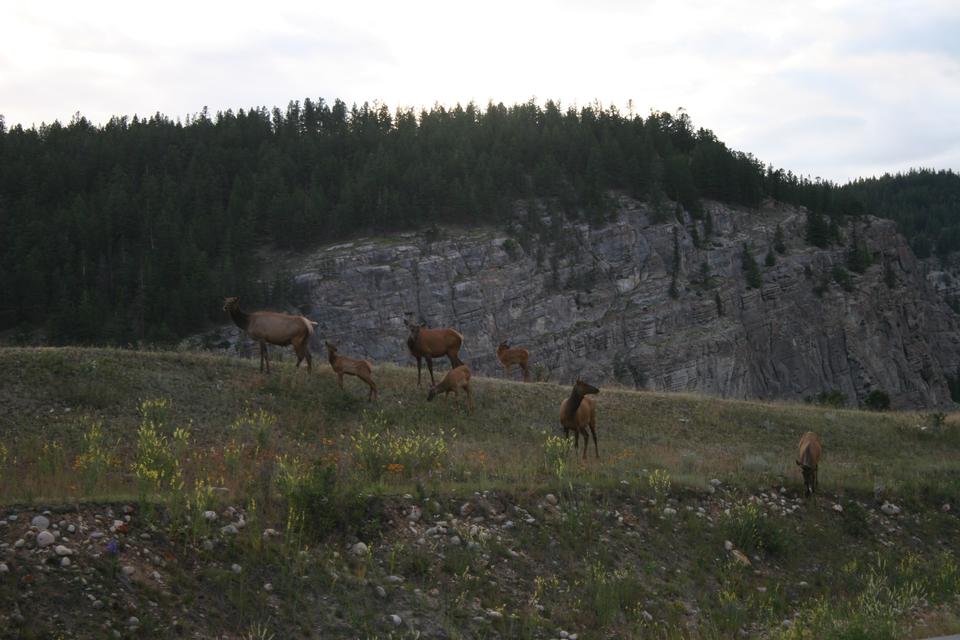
(128,570)
(838,508)
(359,549)
(466,509)
(210,516)
(40,522)
(62,550)
(396,620)
(493,614)
(381,592)
(236,568)
(98,604)
(714,482)
(12,517)
(455,541)
(564,635)
(647,616)
(890,509)
(96,535)
(128,508)
(270,533)
(45,539)
(945,508)
(551,499)
(394,579)
(65,562)
(4,568)
(669,512)
(415,514)
(728,545)
(19,543)
(133,621)
(144,536)
(230,530)
(268,587)
(71,529)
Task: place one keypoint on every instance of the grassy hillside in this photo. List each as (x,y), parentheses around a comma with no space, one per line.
(475,525)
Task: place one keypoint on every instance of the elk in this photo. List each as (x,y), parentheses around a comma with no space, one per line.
(808,458)
(280,329)
(577,413)
(509,356)
(433,343)
(456,379)
(342,365)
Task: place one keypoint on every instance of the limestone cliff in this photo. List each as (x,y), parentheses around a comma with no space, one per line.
(599,302)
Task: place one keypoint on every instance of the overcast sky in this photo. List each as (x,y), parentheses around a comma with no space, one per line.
(832,89)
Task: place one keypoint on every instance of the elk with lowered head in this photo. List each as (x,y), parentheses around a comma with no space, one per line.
(579,412)
(808,459)
(342,365)
(433,343)
(456,379)
(269,327)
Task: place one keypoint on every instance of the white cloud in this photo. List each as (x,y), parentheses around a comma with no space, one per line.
(836,89)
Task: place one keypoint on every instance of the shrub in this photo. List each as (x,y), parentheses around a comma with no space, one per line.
(556,451)
(405,455)
(318,506)
(749,528)
(877,400)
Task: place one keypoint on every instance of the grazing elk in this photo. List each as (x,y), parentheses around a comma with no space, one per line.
(433,343)
(579,412)
(456,379)
(509,356)
(280,329)
(808,458)
(342,365)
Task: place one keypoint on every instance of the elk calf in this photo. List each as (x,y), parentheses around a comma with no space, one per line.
(456,379)
(808,458)
(433,343)
(280,329)
(579,412)
(509,356)
(342,365)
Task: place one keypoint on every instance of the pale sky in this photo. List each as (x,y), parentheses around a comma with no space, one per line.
(833,89)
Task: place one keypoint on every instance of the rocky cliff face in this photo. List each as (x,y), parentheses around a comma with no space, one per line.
(643,304)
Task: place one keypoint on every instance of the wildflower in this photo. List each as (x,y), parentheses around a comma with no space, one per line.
(113,547)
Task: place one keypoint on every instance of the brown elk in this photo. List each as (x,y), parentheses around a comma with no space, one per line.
(433,343)
(808,458)
(280,329)
(579,412)
(342,365)
(509,356)
(456,379)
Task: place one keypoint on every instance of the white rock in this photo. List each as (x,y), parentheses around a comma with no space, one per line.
(229,530)
(890,509)
(713,483)
(395,579)
(646,615)
(128,570)
(396,620)
(415,514)
(210,515)
(359,549)
(19,543)
(40,522)
(236,568)
(838,508)
(493,614)
(133,621)
(96,535)
(728,545)
(71,529)
(381,592)
(45,539)
(268,587)
(455,540)
(4,568)
(564,635)
(65,562)
(62,550)
(669,512)
(550,498)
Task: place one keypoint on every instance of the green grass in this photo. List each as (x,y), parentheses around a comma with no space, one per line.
(324,466)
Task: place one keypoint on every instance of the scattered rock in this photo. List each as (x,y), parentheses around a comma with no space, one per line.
(133,621)
(715,482)
(97,604)
(838,508)
(4,568)
(415,514)
(646,615)
(728,545)
(45,539)
(394,579)
(455,541)
(270,533)
(62,550)
(466,509)
(71,529)
(210,516)
(945,508)
(236,568)
(19,543)
(230,530)
(551,499)
(40,522)
(65,562)
(96,535)
(396,620)
(128,570)
(359,549)
(890,509)
(669,512)
(493,614)
(268,587)
(381,592)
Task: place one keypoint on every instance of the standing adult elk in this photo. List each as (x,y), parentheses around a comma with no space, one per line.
(509,356)
(808,459)
(579,412)
(342,365)
(433,343)
(270,327)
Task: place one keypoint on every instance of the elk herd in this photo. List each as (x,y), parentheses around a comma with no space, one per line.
(577,412)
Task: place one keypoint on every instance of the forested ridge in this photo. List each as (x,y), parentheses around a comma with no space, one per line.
(135,230)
